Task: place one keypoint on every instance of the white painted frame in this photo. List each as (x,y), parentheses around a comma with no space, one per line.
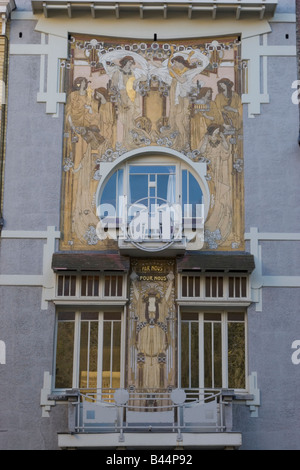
(76,347)
(78,298)
(209,301)
(45,280)
(257,279)
(224,322)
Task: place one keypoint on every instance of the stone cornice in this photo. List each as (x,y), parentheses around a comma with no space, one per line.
(235,9)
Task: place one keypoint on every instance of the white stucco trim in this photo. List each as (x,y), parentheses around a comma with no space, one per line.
(58,29)
(258,280)
(45,280)
(253,51)
(148,440)
(54,50)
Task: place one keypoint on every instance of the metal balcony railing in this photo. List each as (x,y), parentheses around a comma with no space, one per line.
(122,411)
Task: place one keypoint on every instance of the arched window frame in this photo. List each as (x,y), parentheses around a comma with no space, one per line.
(149,156)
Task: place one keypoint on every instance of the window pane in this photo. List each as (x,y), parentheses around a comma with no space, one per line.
(106,355)
(138,188)
(220,287)
(83,285)
(107,286)
(185,355)
(189,316)
(207,287)
(195,193)
(194,355)
(217,355)
(93,362)
(184,286)
(120,191)
(153,169)
(83,375)
(231,287)
(67,285)
(184,188)
(165,188)
(237,287)
(197,286)
(236,355)
(111,354)
(214,286)
(120,286)
(64,354)
(244,286)
(191,284)
(207,355)
(113,286)
(112,316)
(88,354)
(116,365)
(236,316)
(60,284)
(109,194)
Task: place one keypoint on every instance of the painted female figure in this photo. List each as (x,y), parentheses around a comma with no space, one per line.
(205,113)
(230,105)
(183,68)
(217,150)
(85,137)
(105,111)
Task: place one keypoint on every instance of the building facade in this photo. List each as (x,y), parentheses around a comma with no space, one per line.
(149,283)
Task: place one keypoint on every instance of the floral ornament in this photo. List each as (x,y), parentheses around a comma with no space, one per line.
(141,325)
(238,165)
(68,164)
(211,238)
(162,359)
(165,141)
(140,139)
(97,175)
(140,358)
(110,155)
(91,236)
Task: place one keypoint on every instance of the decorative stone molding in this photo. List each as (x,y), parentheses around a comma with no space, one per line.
(254,390)
(6,7)
(45,392)
(237,8)
(45,280)
(258,280)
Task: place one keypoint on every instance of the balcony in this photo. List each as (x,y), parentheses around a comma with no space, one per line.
(143,419)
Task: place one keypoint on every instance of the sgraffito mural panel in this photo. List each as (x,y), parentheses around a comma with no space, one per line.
(124,95)
(152,325)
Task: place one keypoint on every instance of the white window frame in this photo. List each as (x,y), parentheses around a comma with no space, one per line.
(224,322)
(76,345)
(202,299)
(85,299)
(157,159)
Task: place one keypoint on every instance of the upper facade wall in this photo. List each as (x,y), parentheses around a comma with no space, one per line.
(46,44)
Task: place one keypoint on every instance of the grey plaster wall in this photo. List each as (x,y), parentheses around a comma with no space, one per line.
(270,335)
(271,154)
(29,344)
(272,202)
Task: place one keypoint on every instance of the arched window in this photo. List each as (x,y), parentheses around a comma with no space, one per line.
(155,197)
